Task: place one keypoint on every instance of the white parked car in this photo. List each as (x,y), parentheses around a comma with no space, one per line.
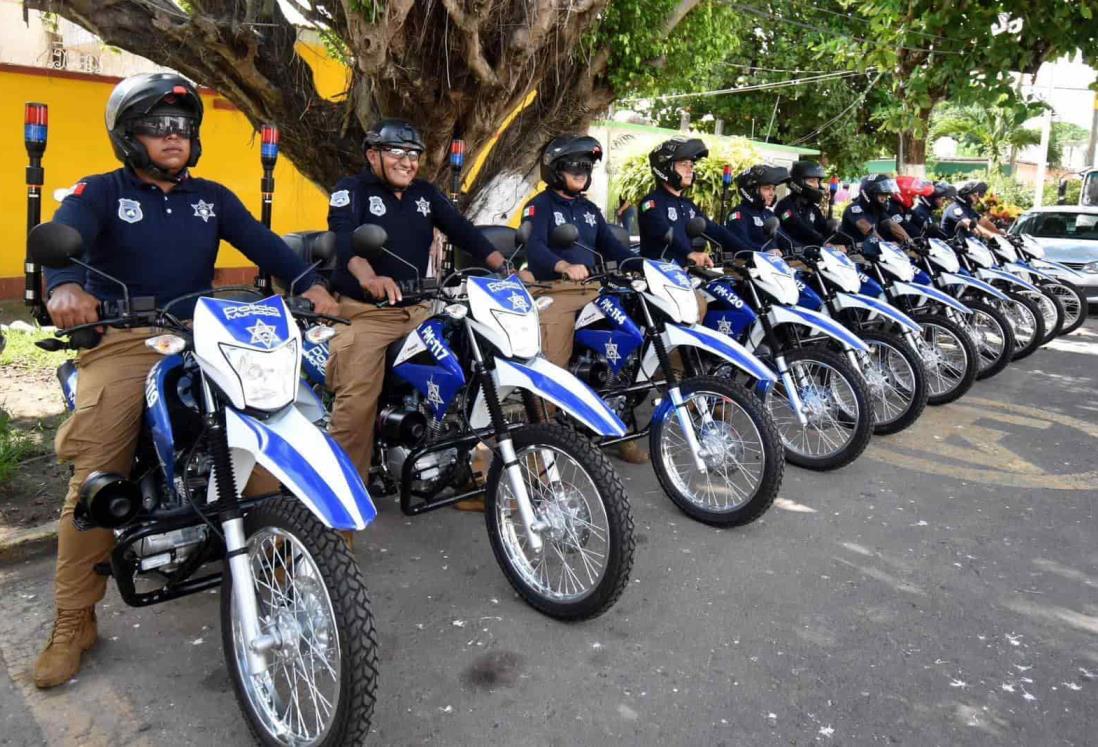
(1069,234)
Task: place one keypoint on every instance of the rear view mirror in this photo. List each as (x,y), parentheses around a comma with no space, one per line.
(563,236)
(368,241)
(54,245)
(770,226)
(522,235)
(324,246)
(695,227)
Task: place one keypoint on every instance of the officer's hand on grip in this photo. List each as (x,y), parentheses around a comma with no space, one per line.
(323,303)
(572,272)
(70,305)
(383,289)
(701,259)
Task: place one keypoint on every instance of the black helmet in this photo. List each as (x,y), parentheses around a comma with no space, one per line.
(577,151)
(972,187)
(944,191)
(662,159)
(145,95)
(393,132)
(877,184)
(806,170)
(749,181)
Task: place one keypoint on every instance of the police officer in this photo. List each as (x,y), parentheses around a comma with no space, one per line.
(386,193)
(156,228)
(962,211)
(758,187)
(871,213)
(802,221)
(666,207)
(926,198)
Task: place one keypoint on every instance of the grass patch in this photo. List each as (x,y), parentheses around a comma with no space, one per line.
(22,353)
(15,446)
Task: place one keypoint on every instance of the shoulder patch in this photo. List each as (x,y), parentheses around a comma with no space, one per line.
(855,208)
(341,198)
(528,212)
(79,188)
(958,211)
(648,205)
(734,216)
(787,215)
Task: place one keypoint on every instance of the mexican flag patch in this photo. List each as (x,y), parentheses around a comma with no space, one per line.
(787,215)
(528,212)
(648,205)
(735,216)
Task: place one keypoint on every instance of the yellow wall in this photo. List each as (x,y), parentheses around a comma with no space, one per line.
(78,146)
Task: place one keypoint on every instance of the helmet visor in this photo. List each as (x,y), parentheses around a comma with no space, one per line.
(164,125)
(577,167)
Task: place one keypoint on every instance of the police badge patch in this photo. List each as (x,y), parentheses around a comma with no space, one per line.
(377,206)
(758,220)
(672,213)
(342,198)
(558,219)
(129,210)
(204,210)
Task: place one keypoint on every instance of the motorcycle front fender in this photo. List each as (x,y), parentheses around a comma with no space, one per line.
(952,278)
(553,384)
(1021,267)
(819,322)
(720,345)
(901,288)
(988,273)
(306,460)
(887,310)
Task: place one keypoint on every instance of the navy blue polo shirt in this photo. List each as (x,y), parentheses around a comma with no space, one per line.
(802,220)
(409,221)
(876,214)
(546,211)
(919,221)
(163,244)
(956,212)
(746,224)
(661,210)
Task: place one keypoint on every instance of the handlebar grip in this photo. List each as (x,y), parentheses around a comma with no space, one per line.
(83,339)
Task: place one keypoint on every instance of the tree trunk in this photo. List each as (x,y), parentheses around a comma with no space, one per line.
(913,150)
(453,67)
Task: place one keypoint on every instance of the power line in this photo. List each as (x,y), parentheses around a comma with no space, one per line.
(820,130)
(852,17)
(756,87)
(772,69)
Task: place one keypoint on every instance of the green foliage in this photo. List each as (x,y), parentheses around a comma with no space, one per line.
(991,131)
(1071,197)
(15,446)
(21,353)
(1062,134)
(634,179)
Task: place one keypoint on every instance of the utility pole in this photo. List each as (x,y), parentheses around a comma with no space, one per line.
(1046,135)
(1093,135)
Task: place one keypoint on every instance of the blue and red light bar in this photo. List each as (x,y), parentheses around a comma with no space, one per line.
(457,154)
(726,178)
(268,149)
(35,124)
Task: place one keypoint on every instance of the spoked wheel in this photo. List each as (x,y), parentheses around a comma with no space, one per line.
(581,515)
(1051,311)
(740,447)
(318,687)
(895,381)
(1073,301)
(949,357)
(1027,322)
(836,409)
(992,335)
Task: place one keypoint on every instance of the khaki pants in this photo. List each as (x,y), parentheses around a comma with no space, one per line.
(558,322)
(356,372)
(102,436)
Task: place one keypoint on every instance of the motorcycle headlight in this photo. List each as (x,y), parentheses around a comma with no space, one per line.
(268,378)
(522,330)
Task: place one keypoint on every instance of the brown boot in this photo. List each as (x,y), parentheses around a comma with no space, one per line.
(632,452)
(74,632)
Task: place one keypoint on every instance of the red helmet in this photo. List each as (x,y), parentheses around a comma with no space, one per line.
(912,187)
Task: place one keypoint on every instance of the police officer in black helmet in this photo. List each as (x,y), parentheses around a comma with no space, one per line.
(386,193)
(799,211)
(757,187)
(667,207)
(963,211)
(872,213)
(157,228)
(919,220)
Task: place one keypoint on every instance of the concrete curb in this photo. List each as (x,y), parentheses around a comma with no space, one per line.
(25,542)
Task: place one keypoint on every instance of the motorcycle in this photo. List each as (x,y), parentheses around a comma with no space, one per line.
(1051,309)
(558,519)
(820,403)
(296,627)
(987,325)
(1059,279)
(715,449)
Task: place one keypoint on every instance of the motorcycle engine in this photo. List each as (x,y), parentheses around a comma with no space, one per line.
(412,427)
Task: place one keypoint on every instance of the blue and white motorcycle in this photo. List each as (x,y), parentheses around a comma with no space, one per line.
(1057,279)
(1011,264)
(558,518)
(819,404)
(713,446)
(296,626)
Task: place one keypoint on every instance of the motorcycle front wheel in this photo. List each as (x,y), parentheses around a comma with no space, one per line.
(318,688)
(949,356)
(992,334)
(581,514)
(1073,301)
(895,381)
(1052,311)
(1028,324)
(742,451)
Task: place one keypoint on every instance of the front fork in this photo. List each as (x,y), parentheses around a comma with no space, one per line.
(511,467)
(256,643)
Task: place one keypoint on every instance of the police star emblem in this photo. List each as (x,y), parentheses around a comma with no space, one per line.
(434,396)
(590,218)
(519,303)
(423,207)
(204,210)
(263,334)
(612,353)
(724,327)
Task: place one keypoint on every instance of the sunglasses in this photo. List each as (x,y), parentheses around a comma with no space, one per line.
(165,125)
(399,153)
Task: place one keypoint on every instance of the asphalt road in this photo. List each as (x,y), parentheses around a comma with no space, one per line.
(942,590)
